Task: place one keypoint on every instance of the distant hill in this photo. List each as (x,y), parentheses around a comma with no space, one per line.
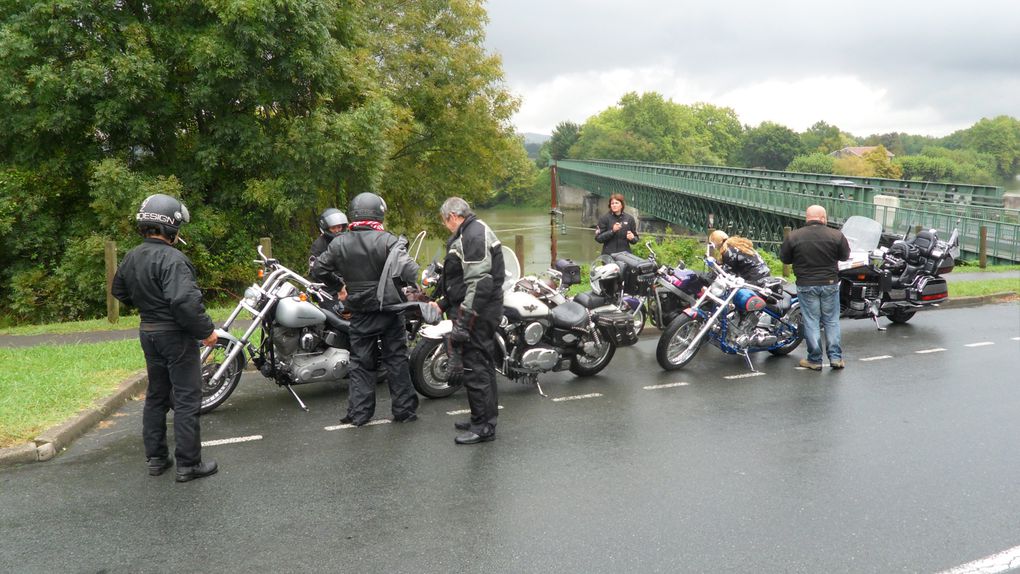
(532,138)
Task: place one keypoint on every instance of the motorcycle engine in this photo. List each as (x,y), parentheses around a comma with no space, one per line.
(286,342)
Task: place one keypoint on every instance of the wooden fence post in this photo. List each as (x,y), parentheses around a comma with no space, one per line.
(267,246)
(112,304)
(983,246)
(519,251)
(786,266)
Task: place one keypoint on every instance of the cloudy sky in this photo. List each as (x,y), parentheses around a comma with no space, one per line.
(867,66)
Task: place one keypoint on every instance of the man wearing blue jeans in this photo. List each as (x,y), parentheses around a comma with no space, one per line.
(815,250)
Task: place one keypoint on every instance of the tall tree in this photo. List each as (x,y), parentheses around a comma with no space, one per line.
(563,137)
(1000,138)
(770,146)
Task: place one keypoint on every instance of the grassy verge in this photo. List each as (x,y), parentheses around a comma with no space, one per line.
(985,287)
(45,385)
(218,314)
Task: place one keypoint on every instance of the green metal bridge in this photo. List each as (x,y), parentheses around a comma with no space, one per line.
(758,204)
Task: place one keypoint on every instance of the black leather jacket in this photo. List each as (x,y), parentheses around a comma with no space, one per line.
(615,241)
(473,271)
(751,267)
(159,281)
(359,256)
(814,250)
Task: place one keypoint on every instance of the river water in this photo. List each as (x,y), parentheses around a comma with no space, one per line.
(573,241)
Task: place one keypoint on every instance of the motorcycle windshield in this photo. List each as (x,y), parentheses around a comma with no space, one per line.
(862,233)
(512,267)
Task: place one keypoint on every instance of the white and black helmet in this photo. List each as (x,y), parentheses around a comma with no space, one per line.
(331,217)
(162,213)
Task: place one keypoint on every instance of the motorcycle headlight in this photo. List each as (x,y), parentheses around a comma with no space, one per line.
(251,296)
(717,290)
(533,333)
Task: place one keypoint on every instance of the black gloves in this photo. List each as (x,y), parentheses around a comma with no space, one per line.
(463,323)
(455,364)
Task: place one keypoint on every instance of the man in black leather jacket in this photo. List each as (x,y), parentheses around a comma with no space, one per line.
(373,264)
(159,280)
(472,294)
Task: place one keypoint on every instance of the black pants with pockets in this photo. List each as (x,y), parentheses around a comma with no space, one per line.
(174,365)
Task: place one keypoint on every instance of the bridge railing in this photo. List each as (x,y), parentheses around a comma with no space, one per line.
(779,197)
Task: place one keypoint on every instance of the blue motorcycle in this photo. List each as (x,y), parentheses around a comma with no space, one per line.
(737,317)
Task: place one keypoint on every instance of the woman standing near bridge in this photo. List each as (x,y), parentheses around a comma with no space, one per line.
(616,230)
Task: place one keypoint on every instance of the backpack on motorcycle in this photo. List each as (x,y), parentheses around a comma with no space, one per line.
(638,274)
(619,326)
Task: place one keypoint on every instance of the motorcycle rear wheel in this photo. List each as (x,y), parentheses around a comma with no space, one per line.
(639,320)
(585,366)
(428,369)
(215,395)
(793,317)
(901,316)
(674,349)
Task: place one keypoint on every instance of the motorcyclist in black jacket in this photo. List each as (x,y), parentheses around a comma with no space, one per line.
(737,255)
(616,230)
(159,280)
(472,294)
(332,222)
(373,264)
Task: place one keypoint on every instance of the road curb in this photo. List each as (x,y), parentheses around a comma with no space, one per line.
(55,440)
(961,302)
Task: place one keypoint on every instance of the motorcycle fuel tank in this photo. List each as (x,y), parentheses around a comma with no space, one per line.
(518,305)
(295,313)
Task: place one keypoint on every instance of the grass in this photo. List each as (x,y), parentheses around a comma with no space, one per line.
(91,325)
(45,385)
(984,287)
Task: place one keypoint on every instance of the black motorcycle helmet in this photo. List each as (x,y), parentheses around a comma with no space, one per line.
(162,214)
(331,218)
(367,206)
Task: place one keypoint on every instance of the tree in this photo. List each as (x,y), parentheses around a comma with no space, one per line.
(563,137)
(1000,138)
(823,138)
(770,146)
(813,163)
(881,165)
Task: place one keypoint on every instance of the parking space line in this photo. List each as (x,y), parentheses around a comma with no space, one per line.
(231,440)
(1015,339)
(981,344)
(1001,562)
(577,397)
(665,386)
(464,411)
(745,375)
(371,423)
(878,358)
(926,351)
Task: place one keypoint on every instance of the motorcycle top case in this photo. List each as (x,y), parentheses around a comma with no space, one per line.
(638,274)
(619,326)
(571,271)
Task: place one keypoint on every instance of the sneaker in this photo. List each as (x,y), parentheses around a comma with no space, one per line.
(837,363)
(809,365)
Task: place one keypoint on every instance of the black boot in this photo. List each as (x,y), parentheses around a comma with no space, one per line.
(202,469)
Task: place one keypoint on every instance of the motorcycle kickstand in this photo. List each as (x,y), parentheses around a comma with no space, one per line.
(296,398)
(873,308)
(747,358)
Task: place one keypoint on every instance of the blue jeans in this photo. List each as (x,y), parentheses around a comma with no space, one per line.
(819,308)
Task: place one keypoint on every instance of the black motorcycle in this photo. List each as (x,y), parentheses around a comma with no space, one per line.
(894,281)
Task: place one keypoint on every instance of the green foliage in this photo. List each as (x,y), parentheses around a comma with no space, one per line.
(563,137)
(813,163)
(821,138)
(881,165)
(670,250)
(1000,138)
(770,146)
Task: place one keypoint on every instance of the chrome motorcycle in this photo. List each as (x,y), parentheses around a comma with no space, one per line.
(291,340)
(895,281)
(737,317)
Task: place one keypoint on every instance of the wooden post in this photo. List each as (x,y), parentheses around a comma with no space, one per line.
(112,304)
(983,246)
(267,246)
(786,266)
(519,251)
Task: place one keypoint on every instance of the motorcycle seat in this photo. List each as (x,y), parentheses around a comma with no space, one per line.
(569,315)
(590,300)
(335,322)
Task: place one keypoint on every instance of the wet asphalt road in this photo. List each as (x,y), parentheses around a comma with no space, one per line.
(906,463)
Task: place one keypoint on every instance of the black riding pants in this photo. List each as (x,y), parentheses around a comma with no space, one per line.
(174,366)
(372,334)
(480,377)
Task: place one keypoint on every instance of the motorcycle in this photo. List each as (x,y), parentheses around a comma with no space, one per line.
(737,317)
(622,279)
(291,340)
(540,331)
(895,281)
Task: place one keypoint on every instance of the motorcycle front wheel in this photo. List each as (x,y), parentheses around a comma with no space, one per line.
(674,349)
(639,320)
(428,369)
(215,395)
(584,365)
(783,332)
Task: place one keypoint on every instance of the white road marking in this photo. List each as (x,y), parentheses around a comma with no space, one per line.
(368,424)
(981,344)
(577,397)
(1015,339)
(1001,562)
(463,411)
(231,440)
(878,358)
(935,350)
(665,386)
(745,375)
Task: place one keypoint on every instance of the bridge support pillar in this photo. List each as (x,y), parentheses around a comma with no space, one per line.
(591,209)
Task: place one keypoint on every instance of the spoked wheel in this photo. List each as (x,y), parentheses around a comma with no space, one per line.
(214,395)
(585,365)
(428,369)
(675,347)
(795,335)
(901,315)
(639,320)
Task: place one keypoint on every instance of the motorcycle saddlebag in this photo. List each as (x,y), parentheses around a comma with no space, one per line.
(618,326)
(638,274)
(571,271)
(931,289)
